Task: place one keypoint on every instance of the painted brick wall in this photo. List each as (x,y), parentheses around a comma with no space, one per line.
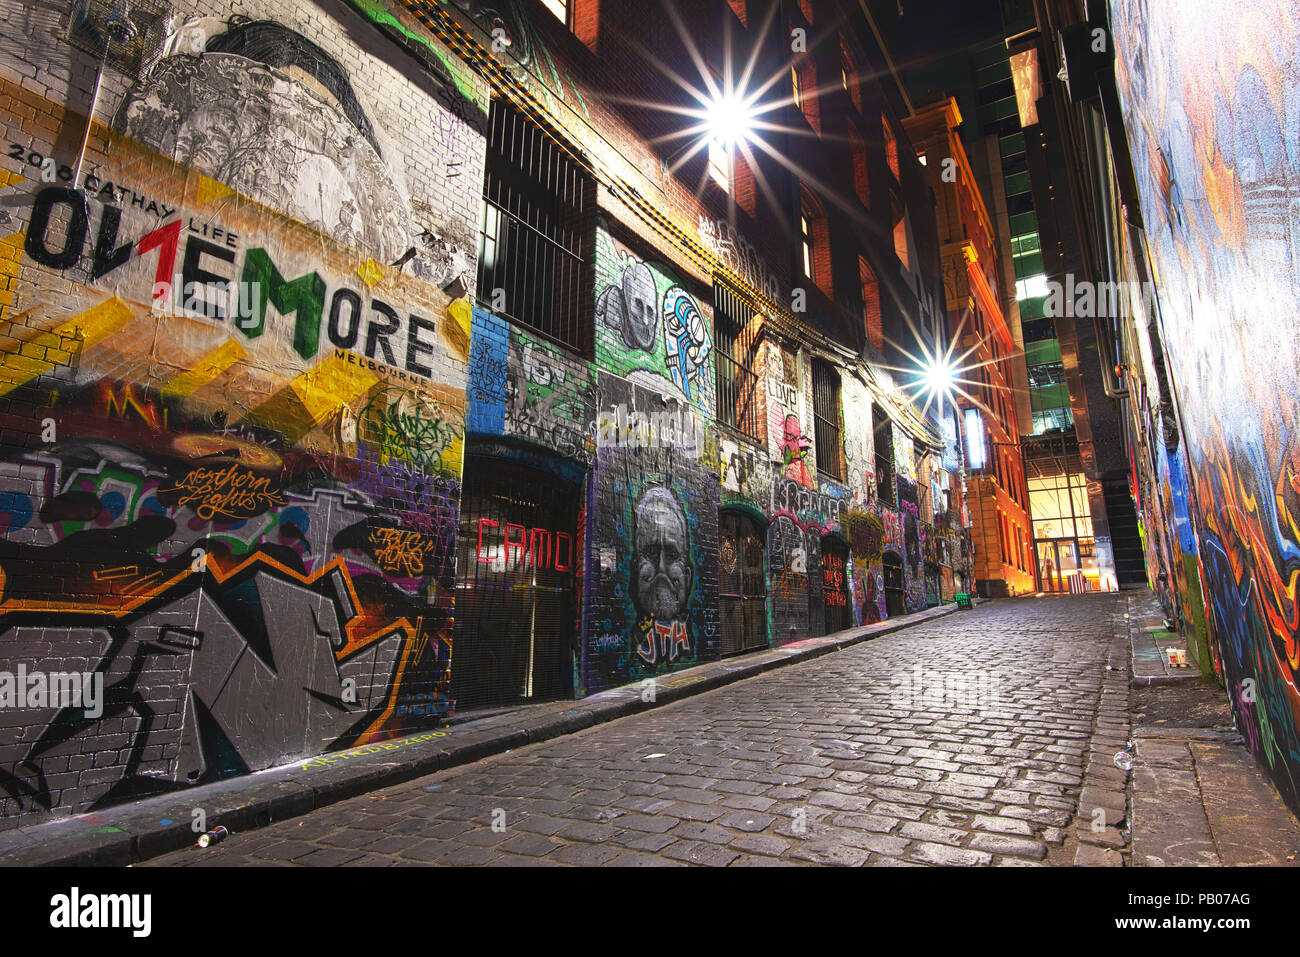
(232,396)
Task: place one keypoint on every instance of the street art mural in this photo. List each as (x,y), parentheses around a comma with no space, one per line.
(525,389)
(654,543)
(649,329)
(234,407)
(1211,118)
(795,447)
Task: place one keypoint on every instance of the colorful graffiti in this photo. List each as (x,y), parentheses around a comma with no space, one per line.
(654,536)
(794,450)
(233,433)
(634,299)
(1210,114)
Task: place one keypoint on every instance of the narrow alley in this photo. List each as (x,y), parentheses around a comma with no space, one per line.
(965,740)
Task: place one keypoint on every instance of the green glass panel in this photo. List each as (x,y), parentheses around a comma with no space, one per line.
(1046,350)
(1029,265)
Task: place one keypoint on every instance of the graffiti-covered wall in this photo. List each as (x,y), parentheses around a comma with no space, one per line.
(654,528)
(1210,110)
(232,394)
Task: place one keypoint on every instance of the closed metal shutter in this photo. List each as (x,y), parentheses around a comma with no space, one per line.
(515,601)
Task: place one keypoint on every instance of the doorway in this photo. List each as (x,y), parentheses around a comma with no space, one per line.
(515,601)
(742,583)
(895,590)
(1058,562)
(835,585)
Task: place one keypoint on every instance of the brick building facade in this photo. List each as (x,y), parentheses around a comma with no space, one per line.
(989,334)
(362,359)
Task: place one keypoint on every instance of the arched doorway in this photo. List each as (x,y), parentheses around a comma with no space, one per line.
(742,583)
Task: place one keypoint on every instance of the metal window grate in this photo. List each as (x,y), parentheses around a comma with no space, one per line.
(826,420)
(535,199)
(735,335)
(883,440)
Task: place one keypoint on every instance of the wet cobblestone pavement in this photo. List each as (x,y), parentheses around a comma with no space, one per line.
(958,741)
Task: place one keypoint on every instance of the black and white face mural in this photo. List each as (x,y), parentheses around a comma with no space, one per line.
(661,576)
(660,566)
(265,111)
(630,307)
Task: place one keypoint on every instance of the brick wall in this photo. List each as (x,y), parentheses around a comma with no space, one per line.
(231,424)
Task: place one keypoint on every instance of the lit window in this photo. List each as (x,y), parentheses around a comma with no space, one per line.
(975,439)
(720,164)
(891,146)
(1032,287)
(849,76)
(803,80)
(805,230)
(558,7)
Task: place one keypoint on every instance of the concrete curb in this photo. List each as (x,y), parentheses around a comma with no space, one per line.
(1148,654)
(1144,681)
(133,832)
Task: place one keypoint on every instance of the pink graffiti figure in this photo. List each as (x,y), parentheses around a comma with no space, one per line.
(794,446)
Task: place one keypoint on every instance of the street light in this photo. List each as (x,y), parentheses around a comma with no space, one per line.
(729,118)
(938,377)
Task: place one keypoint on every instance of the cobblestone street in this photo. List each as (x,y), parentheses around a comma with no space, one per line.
(847,759)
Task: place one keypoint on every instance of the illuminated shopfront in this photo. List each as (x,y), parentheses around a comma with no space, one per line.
(1063,537)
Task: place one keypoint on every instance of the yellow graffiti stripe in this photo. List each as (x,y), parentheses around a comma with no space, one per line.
(10,250)
(458,331)
(209,189)
(312,397)
(11,254)
(331,385)
(45,350)
(205,370)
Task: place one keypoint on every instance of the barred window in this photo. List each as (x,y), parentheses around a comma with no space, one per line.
(827,420)
(883,436)
(536,200)
(735,336)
